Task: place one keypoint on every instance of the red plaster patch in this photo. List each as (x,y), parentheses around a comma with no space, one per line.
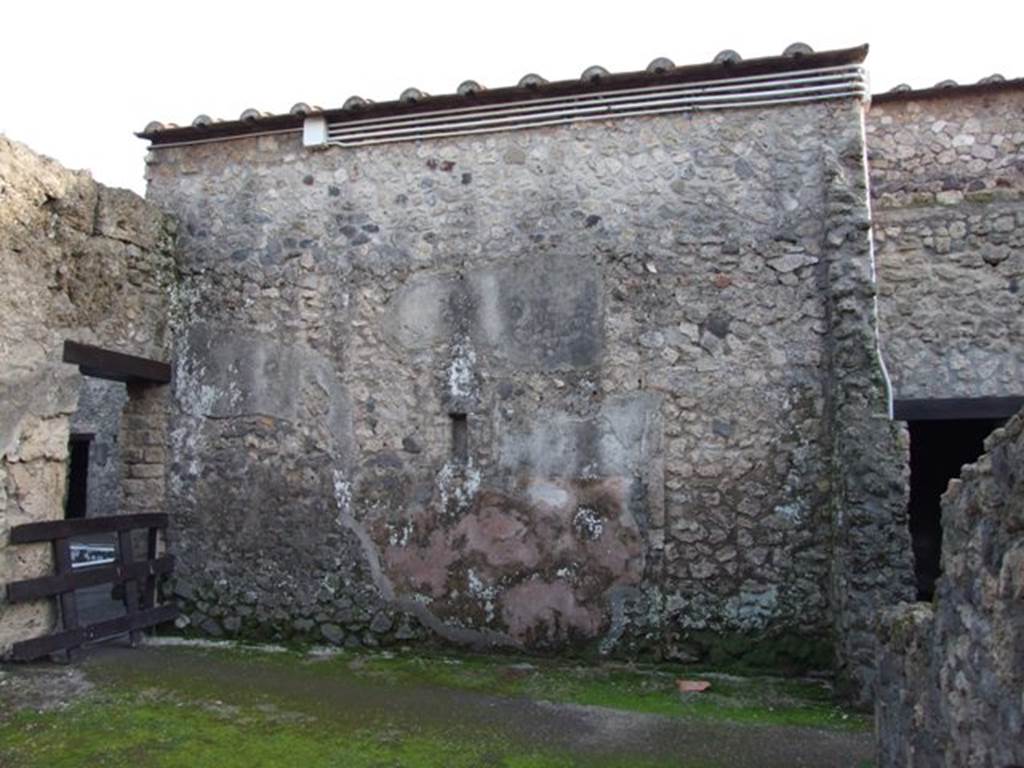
(501,538)
(540,612)
(423,568)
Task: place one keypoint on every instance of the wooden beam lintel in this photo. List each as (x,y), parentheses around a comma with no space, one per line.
(115,366)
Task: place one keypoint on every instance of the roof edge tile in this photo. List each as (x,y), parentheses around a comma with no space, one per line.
(945,90)
(613,81)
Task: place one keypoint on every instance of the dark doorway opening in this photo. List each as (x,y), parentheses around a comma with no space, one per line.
(938,450)
(78,476)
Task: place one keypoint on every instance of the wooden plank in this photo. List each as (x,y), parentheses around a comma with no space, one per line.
(115,366)
(90,576)
(62,529)
(131,586)
(951,408)
(68,603)
(27,650)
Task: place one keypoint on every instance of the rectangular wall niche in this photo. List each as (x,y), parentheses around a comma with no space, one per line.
(460,437)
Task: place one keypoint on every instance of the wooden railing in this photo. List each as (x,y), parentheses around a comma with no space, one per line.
(139,578)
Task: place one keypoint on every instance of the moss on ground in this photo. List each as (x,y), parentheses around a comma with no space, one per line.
(649,689)
(127,730)
(236,706)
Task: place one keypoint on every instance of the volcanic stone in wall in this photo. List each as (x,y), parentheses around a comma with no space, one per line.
(947,185)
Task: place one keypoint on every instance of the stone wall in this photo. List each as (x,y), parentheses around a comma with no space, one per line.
(951,673)
(563,387)
(80,261)
(947,183)
(100,404)
(870,554)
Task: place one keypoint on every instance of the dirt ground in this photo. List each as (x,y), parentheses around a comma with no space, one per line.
(222,705)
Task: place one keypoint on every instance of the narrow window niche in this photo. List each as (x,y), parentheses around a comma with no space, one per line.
(460,437)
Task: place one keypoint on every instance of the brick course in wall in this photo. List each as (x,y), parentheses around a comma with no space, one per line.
(144,441)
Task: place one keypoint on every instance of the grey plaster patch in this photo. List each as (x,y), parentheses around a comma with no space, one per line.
(611,442)
(542,313)
(416,317)
(235,373)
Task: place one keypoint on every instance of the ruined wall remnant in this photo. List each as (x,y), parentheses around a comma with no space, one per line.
(83,262)
(951,673)
(947,182)
(560,387)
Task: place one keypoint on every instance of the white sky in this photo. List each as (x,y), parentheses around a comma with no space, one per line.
(77,78)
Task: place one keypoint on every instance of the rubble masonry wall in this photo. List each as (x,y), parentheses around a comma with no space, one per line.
(560,388)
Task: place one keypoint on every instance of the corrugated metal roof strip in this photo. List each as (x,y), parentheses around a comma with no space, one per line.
(661,73)
(754,91)
(728,82)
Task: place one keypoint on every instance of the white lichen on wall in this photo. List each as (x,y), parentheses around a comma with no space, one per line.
(459,375)
(457,485)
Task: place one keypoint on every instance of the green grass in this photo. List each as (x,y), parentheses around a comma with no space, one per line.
(219,708)
(635,688)
(645,688)
(125,730)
